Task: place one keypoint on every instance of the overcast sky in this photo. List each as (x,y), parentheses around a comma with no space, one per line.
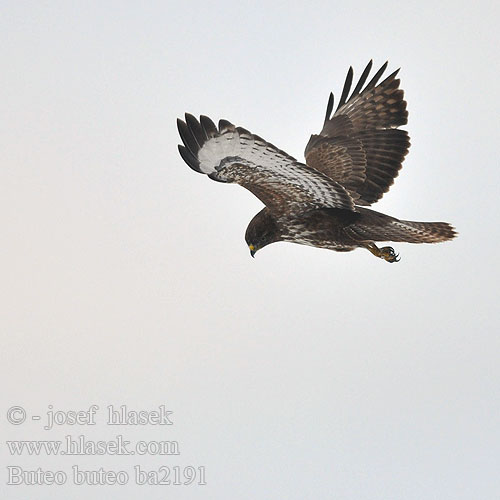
(302,373)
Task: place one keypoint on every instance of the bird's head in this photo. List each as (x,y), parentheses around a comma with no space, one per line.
(261,231)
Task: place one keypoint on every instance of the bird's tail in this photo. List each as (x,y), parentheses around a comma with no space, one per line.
(375,226)
(420,232)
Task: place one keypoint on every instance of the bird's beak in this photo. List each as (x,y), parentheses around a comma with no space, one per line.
(252,250)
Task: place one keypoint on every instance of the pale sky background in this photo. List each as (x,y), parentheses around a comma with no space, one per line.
(303,373)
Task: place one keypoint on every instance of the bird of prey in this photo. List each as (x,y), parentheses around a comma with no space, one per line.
(348,166)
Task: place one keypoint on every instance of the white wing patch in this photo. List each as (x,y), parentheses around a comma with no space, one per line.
(233,154)
(232,143)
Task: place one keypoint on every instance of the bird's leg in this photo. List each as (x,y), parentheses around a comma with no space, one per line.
(386,253)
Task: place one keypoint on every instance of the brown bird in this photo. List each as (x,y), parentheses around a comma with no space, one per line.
(349,165)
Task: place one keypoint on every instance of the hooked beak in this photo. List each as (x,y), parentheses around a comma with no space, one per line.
(252,250)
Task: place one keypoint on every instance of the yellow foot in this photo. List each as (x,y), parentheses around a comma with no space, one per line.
(386,253)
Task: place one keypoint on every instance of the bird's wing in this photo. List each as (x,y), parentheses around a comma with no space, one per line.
(360,146)
(232,154)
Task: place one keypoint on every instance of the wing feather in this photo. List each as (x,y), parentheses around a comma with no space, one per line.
(369,115)
(377,76)
(232,154)
(208,127)
(347,88)
(187,137)
(195,129)
(362,78)
(329,107)
(188,157)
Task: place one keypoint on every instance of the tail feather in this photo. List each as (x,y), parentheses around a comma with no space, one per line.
(420,232)
(374,226)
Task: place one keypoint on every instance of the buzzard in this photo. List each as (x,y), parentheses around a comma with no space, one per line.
(348,166)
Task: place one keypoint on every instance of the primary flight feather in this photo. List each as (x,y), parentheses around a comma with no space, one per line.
(349,165)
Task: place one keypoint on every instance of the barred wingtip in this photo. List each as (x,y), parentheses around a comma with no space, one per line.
(347,95)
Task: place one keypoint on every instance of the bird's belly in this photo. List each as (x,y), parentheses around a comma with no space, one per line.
(330,238)
(329,245)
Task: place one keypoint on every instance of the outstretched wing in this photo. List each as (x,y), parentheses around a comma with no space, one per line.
(360,146)
(232,154)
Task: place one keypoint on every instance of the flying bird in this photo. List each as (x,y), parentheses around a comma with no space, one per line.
(348,166)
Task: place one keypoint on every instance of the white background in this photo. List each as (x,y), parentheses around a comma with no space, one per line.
(126,279)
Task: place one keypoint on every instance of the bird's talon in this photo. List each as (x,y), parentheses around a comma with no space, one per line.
(388,254)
